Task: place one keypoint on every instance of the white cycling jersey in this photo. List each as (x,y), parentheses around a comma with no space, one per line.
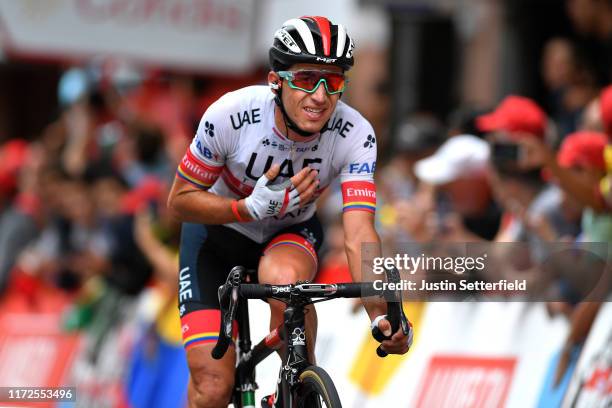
(237,141)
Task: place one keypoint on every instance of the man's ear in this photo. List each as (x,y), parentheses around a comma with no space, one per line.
(274,81)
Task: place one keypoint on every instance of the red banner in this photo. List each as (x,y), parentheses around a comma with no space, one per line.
(466,381)
(33,351)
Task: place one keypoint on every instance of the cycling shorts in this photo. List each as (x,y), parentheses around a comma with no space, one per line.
(209,252)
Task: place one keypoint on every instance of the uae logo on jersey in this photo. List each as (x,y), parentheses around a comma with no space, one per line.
(209,129)
(370,141)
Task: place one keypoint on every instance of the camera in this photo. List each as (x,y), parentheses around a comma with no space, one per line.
(505,152)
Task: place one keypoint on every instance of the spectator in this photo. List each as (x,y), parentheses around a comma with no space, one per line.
(462,121)
(594,18)
(72,247)
(537,154)
(532,208)
(143,154)
(526,198)
(22,181)
(605,105)
(91,120)
(582,154)
(583,151)
(417,137)
(605,186)
(12,156)
(159,357)
(130,270)
(571,83)
(458,170)
(591,117)
(517,116)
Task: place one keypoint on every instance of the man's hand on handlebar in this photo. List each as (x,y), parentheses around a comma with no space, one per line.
(392,330)
(399,343)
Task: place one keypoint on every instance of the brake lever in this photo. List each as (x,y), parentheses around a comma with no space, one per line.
(228,301)
(395,314)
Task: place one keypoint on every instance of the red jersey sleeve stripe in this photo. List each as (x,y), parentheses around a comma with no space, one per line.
(190,180)
(197,160)
(358,195)
(238,188)
(196,172)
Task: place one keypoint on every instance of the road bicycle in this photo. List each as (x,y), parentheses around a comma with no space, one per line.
(301,384)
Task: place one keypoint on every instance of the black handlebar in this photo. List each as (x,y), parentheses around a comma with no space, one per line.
(309,290)
(254,291)
(233,287)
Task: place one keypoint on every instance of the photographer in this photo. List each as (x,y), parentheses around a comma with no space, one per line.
(533,206)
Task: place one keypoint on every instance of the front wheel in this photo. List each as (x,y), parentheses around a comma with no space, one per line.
(316,389)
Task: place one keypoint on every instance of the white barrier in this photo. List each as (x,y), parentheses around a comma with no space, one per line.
(591,385)
(513,341)
(210,34)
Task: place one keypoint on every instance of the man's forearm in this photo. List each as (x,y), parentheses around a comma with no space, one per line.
(360,265)
(200,206)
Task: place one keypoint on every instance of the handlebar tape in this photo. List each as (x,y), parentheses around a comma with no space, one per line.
(255,291)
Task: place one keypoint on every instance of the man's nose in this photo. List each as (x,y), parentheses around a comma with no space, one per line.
(320,94)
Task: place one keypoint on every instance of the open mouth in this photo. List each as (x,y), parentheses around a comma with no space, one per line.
(314,113)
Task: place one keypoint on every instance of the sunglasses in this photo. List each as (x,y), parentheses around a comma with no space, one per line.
(309,80)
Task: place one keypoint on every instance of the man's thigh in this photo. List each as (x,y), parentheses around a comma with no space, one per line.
(292,254)
(206,257)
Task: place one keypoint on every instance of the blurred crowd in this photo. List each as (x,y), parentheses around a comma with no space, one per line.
(83,214)
(82,206)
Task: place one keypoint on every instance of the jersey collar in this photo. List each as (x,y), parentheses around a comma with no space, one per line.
(286,139)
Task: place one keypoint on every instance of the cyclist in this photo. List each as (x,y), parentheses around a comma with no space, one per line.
(245,190)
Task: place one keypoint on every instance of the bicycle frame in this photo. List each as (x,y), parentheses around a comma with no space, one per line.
(248,358)
(233,301)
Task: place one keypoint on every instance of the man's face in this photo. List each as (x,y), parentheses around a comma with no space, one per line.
(310,111)
(469,195)
(587,175)
(582,13)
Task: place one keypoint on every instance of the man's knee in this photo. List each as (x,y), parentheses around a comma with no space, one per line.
(210,390)
(283,270)
(280,275)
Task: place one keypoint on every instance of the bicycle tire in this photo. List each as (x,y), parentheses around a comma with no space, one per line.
(316,386)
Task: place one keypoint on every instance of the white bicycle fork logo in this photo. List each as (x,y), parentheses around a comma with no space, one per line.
(298,337)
